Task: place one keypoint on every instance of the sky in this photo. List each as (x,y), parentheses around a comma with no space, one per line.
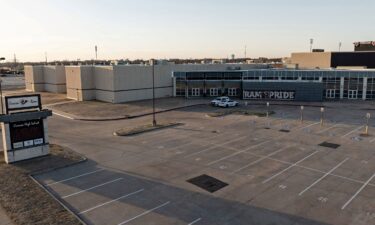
(143,29)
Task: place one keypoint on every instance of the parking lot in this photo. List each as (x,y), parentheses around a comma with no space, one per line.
(274,171)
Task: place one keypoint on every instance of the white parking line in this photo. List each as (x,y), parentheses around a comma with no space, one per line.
(324,176)
(310,125)
(144,213)
(75,177)
(215,146)
(312,169)
(355,130)
(284,170)
(91,188)
(357,193)
(109,202)
(204,142)
(237,153)
(58,114)
(261,159)
(327,129)
(195,221)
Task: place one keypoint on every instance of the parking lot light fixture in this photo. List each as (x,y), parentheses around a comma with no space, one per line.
(153,92)
(322,116)
(368,117)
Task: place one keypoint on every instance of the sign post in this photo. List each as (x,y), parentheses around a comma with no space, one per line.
(24,128)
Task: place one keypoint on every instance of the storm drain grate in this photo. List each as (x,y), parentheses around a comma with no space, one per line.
(208,183)
(329,145)
(284,131)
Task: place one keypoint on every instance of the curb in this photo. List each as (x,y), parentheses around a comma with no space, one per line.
(57,200)
(146,131)
(31,176)
(136,116)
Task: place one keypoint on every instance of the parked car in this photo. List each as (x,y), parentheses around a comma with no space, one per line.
(217,100)
(227,104)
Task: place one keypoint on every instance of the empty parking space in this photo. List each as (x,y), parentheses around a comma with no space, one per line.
(278,171)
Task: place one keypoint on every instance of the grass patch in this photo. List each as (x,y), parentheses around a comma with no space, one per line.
(240,112)
(24,201)
(144,129)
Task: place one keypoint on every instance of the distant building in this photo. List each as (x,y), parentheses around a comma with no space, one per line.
(277,84)
(326,60)
(364,46)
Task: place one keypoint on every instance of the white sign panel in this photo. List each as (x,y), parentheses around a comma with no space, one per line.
(277,95)
(18,145)
(38,141)
(22,102)
(28,143)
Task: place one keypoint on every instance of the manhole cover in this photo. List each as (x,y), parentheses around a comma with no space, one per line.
(284,131)
(329,145)
(208,183)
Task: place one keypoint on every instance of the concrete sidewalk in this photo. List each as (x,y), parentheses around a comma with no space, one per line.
(4,219)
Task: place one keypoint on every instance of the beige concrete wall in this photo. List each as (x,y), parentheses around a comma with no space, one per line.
(73,81)
(125,83)
(134,82)
(54,79)
(45,78)
(104,77)
(312,60)
(105,96)
(144,94)
(34,78)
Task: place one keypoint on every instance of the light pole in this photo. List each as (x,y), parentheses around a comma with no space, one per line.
(322,116)
(153,92)
(96,52)
(302,108)
(1,91)
(268,109)
(368,116)
(311,44)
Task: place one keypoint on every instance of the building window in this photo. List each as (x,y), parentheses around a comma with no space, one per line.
(214,92)
(330,93)
(353,94)
(232,91)
(195,92)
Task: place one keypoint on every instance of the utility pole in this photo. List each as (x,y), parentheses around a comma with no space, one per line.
(45,55)
(245,51)
(340,44)
(311,44)
(153,93)
(14,63)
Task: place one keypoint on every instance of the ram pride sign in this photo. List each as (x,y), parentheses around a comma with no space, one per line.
(277,95)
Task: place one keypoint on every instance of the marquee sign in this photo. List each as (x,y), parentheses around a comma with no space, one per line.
(276,95)
(26,134)
(14,103)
